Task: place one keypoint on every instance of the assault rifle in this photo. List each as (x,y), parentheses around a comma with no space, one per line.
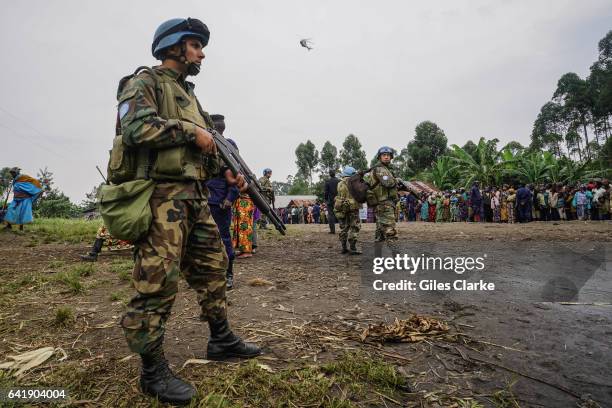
(402,185)
(232,159)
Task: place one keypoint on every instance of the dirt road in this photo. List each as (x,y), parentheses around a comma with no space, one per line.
(541,338)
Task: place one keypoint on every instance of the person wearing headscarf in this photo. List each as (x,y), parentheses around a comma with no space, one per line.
(26,190)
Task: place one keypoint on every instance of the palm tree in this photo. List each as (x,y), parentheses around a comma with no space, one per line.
(572,172)
(484,165)
(441,174)
(533,168)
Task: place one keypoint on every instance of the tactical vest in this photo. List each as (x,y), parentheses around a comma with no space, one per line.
(180,163)
(381,192)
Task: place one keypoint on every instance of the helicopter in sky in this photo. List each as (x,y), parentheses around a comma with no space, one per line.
(306,43)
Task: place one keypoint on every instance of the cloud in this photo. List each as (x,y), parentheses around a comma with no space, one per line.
(477,68)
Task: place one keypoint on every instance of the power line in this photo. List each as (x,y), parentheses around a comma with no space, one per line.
(35,142)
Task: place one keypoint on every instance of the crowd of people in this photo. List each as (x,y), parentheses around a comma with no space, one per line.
(505,204)
(307,213)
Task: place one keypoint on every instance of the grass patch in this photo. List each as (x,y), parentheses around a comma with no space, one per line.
(115,296)
(468,403)
(57,264)
(242,385)
(505,398)
(82,269)
(72,280)
(23,282)
(8,381)
(64,230)
(123,269)
(358,370)
(64,316)
(26,280)
(340,384)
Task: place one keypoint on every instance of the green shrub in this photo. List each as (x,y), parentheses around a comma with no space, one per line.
(64,316)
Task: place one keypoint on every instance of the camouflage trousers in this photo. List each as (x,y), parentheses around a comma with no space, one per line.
(349,225)
(183,239)
(385,221)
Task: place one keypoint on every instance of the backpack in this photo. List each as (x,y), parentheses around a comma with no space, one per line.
(358,187)
(123,160)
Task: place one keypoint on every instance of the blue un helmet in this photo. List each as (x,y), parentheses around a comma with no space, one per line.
(267,170)
(385,149)
(173,31)
(348,171)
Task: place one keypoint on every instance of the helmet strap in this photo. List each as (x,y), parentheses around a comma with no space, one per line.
(192,68)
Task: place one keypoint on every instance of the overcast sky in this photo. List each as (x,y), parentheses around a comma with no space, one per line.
(476,68)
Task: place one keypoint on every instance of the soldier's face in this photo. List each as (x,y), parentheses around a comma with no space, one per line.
(385,158)
(194,51)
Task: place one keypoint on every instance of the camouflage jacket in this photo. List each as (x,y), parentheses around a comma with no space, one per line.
(384,183)
(144,126)
(266,185)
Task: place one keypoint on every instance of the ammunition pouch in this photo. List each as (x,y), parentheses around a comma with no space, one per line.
(125,208)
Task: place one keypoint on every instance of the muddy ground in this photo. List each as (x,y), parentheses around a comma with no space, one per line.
(543,338)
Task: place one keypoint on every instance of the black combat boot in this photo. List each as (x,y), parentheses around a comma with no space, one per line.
(229,275)
(92,256)
(354,250)
(344,248)
(158,381)
(224,344)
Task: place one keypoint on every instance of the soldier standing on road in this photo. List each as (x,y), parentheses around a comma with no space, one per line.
(384,187)
(331,190)
(267,192)
(347,211)
(162,121)
(223,193)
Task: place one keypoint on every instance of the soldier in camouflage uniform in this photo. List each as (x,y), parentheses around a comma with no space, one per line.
(346,209)
(103,237)
(161,119)
(384,189)
(268,192)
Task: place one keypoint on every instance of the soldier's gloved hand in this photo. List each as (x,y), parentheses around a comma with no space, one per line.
(226,204)
(205,141)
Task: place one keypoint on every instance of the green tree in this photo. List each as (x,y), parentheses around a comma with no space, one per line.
(548,128)
(299,186)
(352,154)
(429,143)
(470,148)
(514,147)
(91,198)
(307,158)
(329,158)
(45,176)
(402,164)
(56,205)
(5,180)
(600,86)
(282,188)
(574,96)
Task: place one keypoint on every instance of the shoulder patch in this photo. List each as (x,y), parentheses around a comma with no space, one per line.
(124,108)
